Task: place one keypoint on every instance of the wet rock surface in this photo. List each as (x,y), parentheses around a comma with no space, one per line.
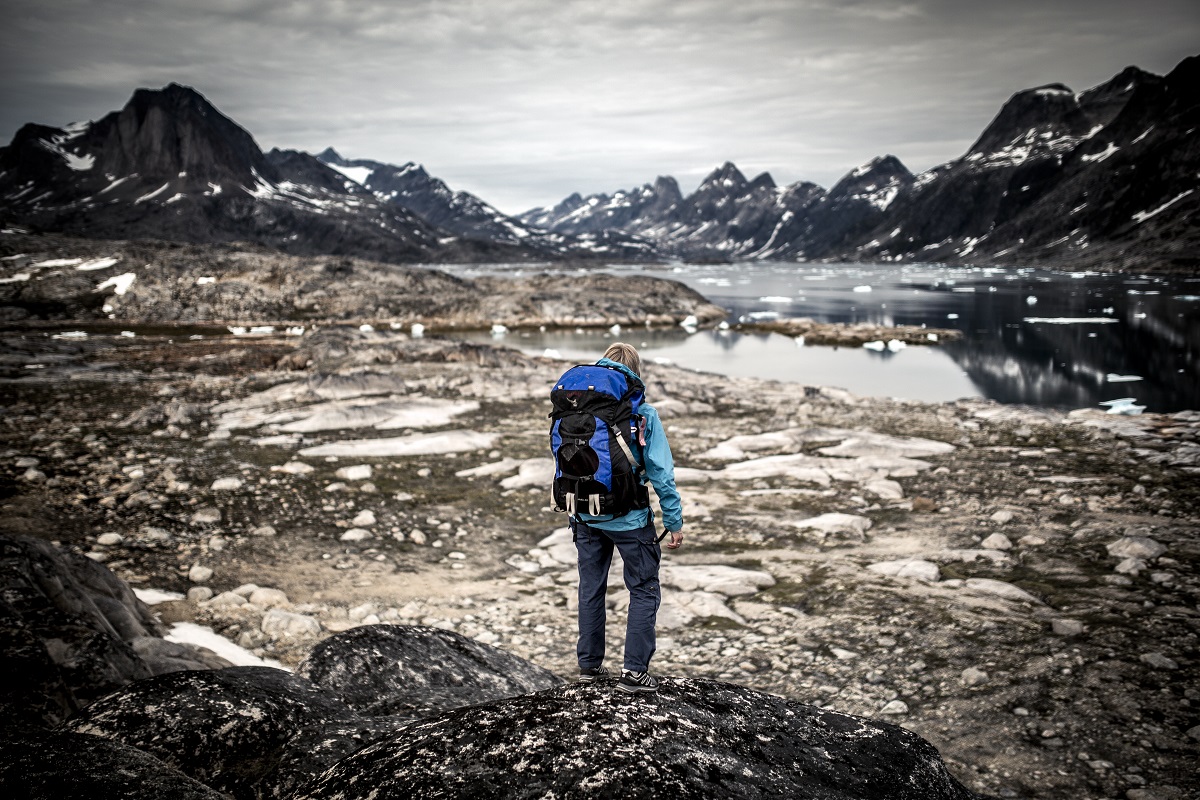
(417,671)
(693,739)
(113,444)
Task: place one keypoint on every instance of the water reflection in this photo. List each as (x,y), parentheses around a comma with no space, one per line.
(1030,336)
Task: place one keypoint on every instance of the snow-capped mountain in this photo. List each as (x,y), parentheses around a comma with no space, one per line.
(1104,178)
(412,188)
(170,166)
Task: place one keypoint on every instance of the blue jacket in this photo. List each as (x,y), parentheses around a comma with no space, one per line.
(656,459)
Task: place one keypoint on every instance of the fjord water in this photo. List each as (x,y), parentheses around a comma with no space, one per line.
(1035,337)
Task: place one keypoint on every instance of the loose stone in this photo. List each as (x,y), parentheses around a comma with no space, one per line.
(199,574)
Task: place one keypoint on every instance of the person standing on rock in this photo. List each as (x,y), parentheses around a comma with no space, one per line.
(633,534)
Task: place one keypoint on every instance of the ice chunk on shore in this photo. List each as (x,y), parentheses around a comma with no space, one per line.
(119,283)
(99,263)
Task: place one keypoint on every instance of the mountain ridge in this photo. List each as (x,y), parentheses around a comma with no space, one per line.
(1101,179)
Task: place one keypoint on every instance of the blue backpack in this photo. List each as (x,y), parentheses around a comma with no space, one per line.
(594,425)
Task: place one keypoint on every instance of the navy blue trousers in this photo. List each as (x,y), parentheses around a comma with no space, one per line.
(641,554)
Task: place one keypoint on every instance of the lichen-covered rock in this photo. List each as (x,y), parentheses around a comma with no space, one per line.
(317,748)
(400,669)
(693,739)
(226,728)
(52,765)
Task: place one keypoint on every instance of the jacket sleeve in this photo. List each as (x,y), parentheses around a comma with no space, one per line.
(660,469)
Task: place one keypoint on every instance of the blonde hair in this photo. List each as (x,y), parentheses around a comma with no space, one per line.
(625,354)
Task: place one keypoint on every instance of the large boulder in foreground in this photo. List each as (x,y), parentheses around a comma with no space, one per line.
(227,728)
(694,739)
(418,671)
(74,631)
(52,765)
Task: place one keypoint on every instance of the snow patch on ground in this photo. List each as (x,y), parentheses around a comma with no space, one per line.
(191,633)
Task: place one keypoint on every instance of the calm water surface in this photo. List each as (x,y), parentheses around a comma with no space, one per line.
(1037,337)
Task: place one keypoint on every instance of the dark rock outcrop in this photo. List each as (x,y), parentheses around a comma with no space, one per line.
(74,632)
(381,670)
(694,739)
(52,765)
(227,728)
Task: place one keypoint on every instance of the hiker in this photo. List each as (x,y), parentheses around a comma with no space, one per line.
(608,522)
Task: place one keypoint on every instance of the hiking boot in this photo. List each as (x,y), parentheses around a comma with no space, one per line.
(592,674)
(634,682)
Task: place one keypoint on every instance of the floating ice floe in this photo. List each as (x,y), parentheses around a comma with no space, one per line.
(99,263)
(1112,377)
(690,323)
(365,328)
(417,330)
(1031,300)
(128,334)
(550,352)
(615,330)
(119,283)
(499,331)
(205,280)
(952,316)
(1124,405)
(933,337)
(774,299)
(1071,320)
(877,346)
(663,361)
(862,289)
(70,335)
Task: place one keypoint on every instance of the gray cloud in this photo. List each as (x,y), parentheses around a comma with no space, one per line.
(525,101)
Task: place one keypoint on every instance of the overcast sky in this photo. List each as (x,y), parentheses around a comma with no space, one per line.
(524,101)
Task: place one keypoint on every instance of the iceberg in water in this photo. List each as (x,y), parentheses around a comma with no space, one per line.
(1124,405)
(1112,377)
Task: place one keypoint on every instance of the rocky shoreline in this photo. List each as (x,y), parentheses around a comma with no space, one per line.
(857,554)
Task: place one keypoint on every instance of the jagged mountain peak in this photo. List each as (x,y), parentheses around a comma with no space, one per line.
(726,176)
(877,174)
(1051,111)
(331,156)
(763,181)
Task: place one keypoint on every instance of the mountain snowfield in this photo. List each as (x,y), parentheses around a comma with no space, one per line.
(1101,179)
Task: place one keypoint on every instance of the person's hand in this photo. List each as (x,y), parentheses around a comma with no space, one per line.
(676,540)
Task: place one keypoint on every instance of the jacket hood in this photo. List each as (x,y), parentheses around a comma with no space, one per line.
(608,362)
